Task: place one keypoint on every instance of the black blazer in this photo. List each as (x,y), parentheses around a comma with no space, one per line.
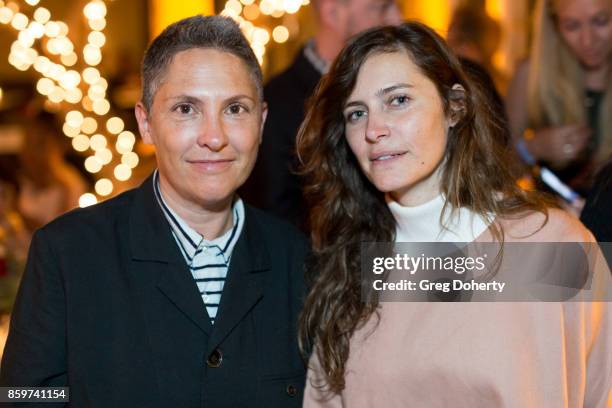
(108,307)
(273,184)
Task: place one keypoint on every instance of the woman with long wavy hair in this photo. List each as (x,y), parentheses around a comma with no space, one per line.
(398,146)
(560,100)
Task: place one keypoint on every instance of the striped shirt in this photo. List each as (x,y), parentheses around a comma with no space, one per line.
(207,260)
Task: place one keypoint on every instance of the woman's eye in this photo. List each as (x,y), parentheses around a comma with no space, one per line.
(602,21)
(184,109)
(236,109)
(399,100)
(571,26)
(355,115)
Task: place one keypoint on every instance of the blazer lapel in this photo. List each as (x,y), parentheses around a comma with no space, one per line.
(244,285)
(155,255)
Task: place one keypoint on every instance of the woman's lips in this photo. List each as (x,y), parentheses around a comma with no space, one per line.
(212,166)
(386,157)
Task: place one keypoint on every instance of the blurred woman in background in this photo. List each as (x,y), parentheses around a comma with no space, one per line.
(399,146)
(560,101)
(49,184)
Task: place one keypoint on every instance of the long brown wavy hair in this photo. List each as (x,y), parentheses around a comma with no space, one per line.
(347,210)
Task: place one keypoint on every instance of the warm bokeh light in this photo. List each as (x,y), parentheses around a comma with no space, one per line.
(101,107)
(36,29)
(266,7)
(104,187)
(69,59)
(73,92)
(125,142)
(20,21)
(6,15)
(80,143)
(261,36)
(44,86)
(52,29)
(292,6)
(42,15)
(87,103)
(74,119)
(91,75)
(87,199)
(92,164)
(97,142)
(70,131)
(251,11)
(165,12)
(130,159)
(280,34)
(114,125)
(57,94)
(104,155)
(122,172)
(74,95)
(234,6)
(96,38)
(70,79)
(89,126)
(95,10)
(494,8)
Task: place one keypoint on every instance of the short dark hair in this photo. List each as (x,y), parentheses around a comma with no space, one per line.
(216,32)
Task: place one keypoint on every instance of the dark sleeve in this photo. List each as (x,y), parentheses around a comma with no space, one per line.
(597,212)
(35,351)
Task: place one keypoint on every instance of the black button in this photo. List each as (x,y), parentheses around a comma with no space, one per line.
(214,359)
(291,390)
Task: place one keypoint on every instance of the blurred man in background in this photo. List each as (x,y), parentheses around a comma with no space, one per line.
(273,184)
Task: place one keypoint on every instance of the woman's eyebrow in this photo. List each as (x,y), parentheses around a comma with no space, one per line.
(380,93)
(353,103)
(392,88)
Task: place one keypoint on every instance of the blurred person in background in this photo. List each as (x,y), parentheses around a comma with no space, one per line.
(49,184)
(273,184)
(14,241)
(560,100)
(475,36)
(597,213)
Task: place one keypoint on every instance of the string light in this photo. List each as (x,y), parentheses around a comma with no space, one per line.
(70,131)
(89,126)
(114,125)
(80,143)
(97,142)
(104,187)
(87,199)
(280,34)
(92,164)
(42,15)
(122,172)
(82,90)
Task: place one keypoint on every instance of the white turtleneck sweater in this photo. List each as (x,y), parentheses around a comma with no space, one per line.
(422,223)
(477,355)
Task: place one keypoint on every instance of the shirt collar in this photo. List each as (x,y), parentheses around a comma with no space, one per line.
(315,59)
(192,242)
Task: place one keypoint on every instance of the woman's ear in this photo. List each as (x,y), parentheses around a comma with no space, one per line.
(458,101)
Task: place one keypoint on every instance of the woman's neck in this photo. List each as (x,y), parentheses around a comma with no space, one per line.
(429,222)
(597,79)
(211,223)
